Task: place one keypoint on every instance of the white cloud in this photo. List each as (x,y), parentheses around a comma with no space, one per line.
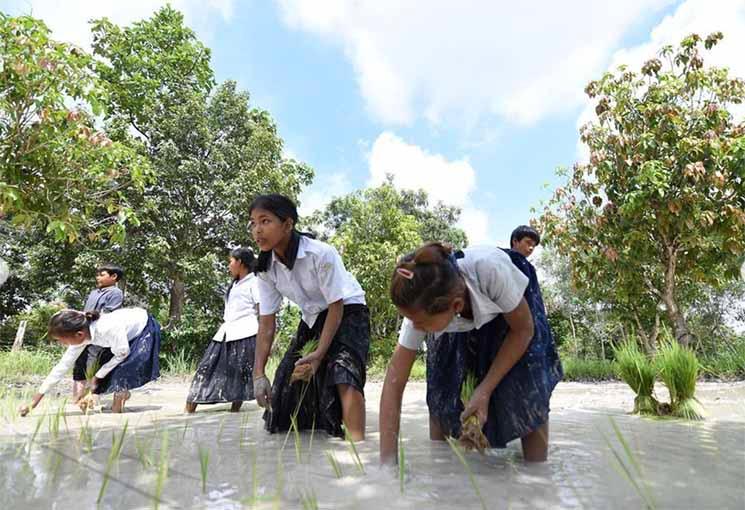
(412,167)
(468,60)
(68,19)
(692,16)
(322,191)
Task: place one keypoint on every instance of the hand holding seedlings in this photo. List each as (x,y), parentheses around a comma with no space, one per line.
(307,365)
(476,402)
(25,409)
(263,392)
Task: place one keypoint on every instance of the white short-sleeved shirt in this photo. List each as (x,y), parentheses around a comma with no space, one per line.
(495,286)
(317,279)
(240,311)
(113,330)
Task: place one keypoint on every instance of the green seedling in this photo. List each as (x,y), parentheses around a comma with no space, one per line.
(303,372)
(39,421)
(116,450)
(86,436)
(204,462)
(636,370)
(679,370)
(143,451)
(220,429)
(162,474)
(308,499)
(459,453)
(630,468)
(355,454)
(471,437)
(334,463)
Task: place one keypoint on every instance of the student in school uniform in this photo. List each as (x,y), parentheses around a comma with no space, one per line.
(105,298)
(130,342)
(311,274)
(224,373)
(478,311)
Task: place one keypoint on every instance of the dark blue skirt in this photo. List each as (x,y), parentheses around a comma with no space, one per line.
(141,366)
(520,402)
(225,373)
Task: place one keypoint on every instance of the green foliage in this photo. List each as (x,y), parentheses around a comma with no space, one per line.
(20,365)
(52,154)
(639,373)
(666,159)
(37,321)
(679,369)
(581,369)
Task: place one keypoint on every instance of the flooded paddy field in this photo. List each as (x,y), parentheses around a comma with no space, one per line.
(600,457)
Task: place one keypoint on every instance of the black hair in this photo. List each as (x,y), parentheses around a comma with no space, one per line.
(111,269)
(524,231)
(245,256)
(69,321)
(284,209)
(427,279)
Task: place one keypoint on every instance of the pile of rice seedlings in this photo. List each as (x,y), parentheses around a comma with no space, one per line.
(471,436)
(638,371)
(304,372)
(679,369)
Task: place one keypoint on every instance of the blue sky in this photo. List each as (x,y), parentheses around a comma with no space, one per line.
(477,103)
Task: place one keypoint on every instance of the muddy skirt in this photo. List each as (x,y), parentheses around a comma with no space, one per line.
(225,373)
(138,369)
(317,403)
(518,405)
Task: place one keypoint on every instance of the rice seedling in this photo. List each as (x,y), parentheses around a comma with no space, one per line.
(310,444)
(679,369)
(204,462)
(183,433)
(143,451)
(456,449)
(86,436)
(31,440)
(629,467)
(220,428)
(401,462)
(116,449)
(355,454)
(162,473)
(334,463)
(54,465)
(471,436)
(637,370)
(88,401)
(303,372)
(308,499)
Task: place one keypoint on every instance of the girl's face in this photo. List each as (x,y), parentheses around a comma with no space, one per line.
(432,323)
(76,338)
(234,267)
(268,230)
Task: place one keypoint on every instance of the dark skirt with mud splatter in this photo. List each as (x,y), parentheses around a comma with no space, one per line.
(520,402)
(139,368)
(225,373)
(317,403)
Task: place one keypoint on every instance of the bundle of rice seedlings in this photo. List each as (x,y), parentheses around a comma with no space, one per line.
(679,368)
(88,401)
(638,371)
(471,436)
(304,372)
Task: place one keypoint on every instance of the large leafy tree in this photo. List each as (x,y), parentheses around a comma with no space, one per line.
(57,170)
(212,151)
(659,209)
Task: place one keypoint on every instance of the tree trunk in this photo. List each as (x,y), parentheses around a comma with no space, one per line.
(674,314)
(177,294)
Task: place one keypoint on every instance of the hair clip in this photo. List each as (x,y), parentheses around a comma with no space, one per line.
(406,273)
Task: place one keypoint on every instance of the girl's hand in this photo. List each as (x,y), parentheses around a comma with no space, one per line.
(24,410)
(313,359)
(478,405)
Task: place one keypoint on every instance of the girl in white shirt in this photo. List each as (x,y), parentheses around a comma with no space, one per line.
(130,341)
(480,313)
(224,373)
(310,274)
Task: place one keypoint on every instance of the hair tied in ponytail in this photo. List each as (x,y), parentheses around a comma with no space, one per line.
(406,273)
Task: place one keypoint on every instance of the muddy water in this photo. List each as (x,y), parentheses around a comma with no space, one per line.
(599,458)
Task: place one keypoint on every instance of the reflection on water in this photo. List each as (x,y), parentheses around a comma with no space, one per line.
(681,465)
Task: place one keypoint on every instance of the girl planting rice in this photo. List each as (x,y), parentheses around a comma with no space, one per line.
(483,317)
(311,274)
(130,342)
(224,373)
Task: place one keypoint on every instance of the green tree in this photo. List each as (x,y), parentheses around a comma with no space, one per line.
(659,209)
(57,169)
(212,152)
